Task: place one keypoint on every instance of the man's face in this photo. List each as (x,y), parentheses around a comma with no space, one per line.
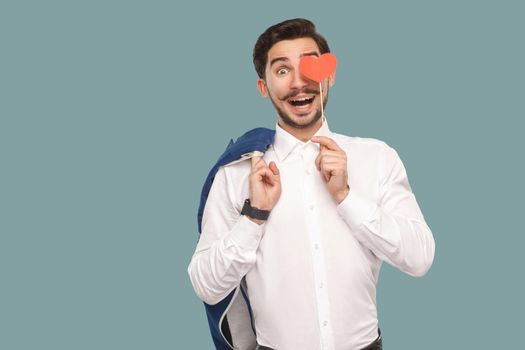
(295,97)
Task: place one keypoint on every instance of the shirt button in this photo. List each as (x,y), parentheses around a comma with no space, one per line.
(325,323)
(307,171)
(316,246)
(312,207)
(321,285)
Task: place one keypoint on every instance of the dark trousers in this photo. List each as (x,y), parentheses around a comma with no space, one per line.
(375,345)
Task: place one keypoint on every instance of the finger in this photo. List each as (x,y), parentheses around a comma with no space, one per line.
(269,177)
(258,165)
(326,175)
(325,161)
(255,160)
(259,170)
(327,157)
(326,141)
(264,173)
(333,168)
(320,167)
(274,168)
(329,168)
(333,154)
(326,150)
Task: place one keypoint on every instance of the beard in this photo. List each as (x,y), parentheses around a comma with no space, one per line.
(289,121)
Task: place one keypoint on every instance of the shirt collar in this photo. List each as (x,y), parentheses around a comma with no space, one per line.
(284,142)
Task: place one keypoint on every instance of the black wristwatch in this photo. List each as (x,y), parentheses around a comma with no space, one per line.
(254,213)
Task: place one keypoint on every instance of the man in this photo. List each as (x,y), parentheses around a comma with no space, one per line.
(338,206)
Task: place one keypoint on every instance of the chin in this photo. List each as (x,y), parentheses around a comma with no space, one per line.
(307,119)
(304,121)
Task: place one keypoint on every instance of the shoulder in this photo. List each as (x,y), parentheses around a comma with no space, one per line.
(368,150)
(235,174)
(361,143)
(238,168)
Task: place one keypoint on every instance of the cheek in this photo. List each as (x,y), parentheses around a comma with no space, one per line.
(277,87)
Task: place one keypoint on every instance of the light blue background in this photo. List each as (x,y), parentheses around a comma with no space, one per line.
(112,113)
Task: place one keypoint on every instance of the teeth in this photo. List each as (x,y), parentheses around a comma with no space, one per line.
(302,99)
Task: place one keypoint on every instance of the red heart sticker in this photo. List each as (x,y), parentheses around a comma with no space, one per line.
(318,69)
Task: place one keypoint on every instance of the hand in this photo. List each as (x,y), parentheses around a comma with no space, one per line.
(265,184)
(331,162)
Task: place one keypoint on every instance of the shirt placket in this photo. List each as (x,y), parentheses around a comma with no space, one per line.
(314,234)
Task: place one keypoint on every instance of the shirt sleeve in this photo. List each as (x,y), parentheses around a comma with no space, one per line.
(227,245)
(393,228)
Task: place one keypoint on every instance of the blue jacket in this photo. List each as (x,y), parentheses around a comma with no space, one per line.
(258,139)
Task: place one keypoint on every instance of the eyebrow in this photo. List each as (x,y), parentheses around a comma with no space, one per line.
(277,59)
(285,59)
(313,53)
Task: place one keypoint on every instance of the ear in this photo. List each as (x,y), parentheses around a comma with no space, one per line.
(331,79)
(261,86)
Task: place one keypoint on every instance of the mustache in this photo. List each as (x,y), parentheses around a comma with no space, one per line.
(294,93)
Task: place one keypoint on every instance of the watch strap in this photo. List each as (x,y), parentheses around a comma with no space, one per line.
(253,212)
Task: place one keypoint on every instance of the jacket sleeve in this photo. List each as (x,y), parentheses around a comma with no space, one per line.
(393,228)
(227,245)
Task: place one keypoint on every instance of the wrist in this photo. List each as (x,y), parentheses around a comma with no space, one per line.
(340,197)
(254,213)
(258,206)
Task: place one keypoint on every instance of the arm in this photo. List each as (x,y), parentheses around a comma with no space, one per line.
(393,229)
(227,246)
(228,243)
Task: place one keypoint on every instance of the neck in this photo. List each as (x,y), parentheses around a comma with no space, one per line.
(302,134)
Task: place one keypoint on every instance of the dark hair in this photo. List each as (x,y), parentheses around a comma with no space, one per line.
(287,30)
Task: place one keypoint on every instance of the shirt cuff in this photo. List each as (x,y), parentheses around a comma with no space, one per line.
(246,234)
(355,209)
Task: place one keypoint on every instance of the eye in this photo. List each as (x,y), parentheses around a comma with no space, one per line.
(282,71)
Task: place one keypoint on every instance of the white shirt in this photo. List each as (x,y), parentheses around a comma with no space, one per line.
(311,269)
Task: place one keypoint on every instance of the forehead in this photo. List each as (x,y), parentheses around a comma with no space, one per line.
(292,49)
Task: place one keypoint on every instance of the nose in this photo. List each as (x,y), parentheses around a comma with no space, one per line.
(298,80)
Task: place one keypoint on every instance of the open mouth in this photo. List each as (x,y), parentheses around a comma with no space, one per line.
(301,101)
